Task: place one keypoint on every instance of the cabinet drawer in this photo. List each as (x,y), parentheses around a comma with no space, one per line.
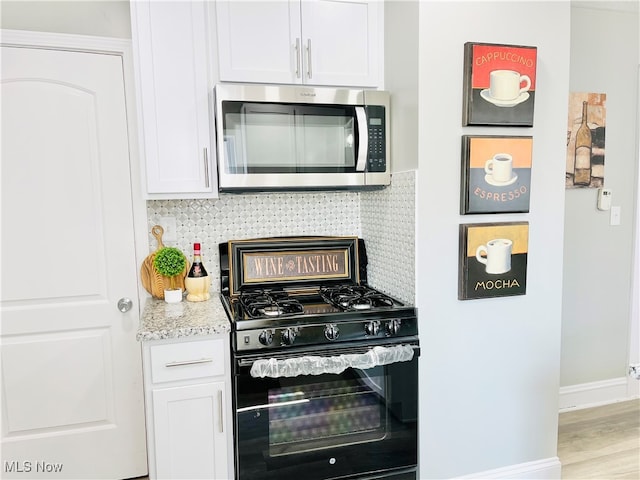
(182,361)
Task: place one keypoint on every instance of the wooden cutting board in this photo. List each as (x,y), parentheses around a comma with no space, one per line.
(152,281)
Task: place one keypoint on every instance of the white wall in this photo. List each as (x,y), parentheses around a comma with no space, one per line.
(598,257)
(489,368)
(108,18)
(401,79)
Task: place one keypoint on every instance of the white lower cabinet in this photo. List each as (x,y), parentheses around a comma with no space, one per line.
(187,392)
(190,440)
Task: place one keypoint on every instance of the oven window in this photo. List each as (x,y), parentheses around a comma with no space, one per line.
(326,415)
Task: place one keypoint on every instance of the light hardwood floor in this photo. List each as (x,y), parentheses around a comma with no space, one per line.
(601,442)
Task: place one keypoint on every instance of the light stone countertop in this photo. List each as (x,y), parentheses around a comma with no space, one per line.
(162,320)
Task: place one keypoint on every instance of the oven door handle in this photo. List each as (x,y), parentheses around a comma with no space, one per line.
(318,365)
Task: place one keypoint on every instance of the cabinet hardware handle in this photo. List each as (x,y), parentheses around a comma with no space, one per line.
(308,58)
(206,167)
(188,362)
(363,139)
(297,58)
(220,412)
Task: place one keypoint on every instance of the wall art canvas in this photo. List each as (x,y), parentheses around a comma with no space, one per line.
(493,260)
(499,84)
(585,140)
(496,174)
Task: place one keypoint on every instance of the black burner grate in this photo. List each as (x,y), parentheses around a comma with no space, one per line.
(263,303)
(355,297)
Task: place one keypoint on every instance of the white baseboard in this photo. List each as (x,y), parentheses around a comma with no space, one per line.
(592,394)
(545,469)
(633,387)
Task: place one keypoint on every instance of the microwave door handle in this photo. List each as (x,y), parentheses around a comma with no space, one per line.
(363,139)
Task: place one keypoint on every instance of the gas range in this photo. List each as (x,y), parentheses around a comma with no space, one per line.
(324,367)
(303,292)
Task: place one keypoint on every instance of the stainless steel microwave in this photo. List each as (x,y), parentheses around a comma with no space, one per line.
(273,137)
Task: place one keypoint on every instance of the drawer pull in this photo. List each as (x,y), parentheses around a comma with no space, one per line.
(188,362)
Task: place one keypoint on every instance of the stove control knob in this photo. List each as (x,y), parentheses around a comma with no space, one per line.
(288,336)
(266,337)
(393,326)
(372,328)
(331,332)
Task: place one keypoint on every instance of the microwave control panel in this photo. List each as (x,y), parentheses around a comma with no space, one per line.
(376,157)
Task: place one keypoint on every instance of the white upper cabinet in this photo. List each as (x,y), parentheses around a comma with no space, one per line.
(315,42)
(340,42)
(257,41)
(172,85)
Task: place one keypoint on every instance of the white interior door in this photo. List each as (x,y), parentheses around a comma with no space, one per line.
(72,395)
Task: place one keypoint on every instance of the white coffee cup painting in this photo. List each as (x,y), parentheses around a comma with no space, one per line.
(499,169)
(507,88)
(507,84)
(495,255)
(493,259)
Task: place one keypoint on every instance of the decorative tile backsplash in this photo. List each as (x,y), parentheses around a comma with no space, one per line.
(388,227)
(385,219)
(236,217)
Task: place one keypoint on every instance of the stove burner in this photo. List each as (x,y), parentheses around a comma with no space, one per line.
(270,311)
(355,297)
(274,303)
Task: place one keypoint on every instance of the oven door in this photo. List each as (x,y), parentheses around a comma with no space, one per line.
(358,423)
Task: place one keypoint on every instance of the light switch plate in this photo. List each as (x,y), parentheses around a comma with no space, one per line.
(614,219)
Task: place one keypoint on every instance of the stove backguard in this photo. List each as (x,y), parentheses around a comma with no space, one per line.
(291,263)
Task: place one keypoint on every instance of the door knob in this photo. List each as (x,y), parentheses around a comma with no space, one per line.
(125,304)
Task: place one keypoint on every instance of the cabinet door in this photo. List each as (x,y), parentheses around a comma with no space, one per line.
(170,47)
(259,41)
(190,441)
(341,42)
(317,42)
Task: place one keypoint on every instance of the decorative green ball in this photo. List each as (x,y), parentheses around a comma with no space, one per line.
(169,261)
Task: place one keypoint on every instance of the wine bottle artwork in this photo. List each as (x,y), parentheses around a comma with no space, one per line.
(586,131)
(582,158)
(197,281)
